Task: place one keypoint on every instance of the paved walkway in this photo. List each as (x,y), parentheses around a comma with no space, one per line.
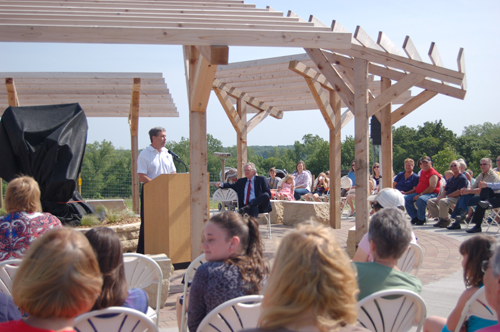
(440,273)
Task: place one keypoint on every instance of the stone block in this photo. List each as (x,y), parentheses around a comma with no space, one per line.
(167,269)
(110,204)
(351,242)
(277,212)
(297,212)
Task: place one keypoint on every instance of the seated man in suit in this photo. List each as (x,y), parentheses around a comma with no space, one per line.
(489,200)
(253,192)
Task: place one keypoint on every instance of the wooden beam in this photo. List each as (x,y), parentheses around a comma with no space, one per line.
(411,105)
(252,101)
(361,145)
(364,38)
(228,107)
(386,139)
(435,56)
(410,49)
(335,162)
(133,121)
(332,76)
(461,66)
(197,68)
(241,138)
(386,43)
(308,72)
(11,91)
(322,98)
(397,75)
(393,92)
(215,55)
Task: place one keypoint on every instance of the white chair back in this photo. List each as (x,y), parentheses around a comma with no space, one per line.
(476,306)
(188,278)
(225,197)
(115,319)
(234,315)
(411,260)
(8,270)
(142,271)
(345,182)
(394,310)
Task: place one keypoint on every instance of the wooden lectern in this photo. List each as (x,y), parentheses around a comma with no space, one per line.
(167,217)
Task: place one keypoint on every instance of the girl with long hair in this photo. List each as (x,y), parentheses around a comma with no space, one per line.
(474,251)
(235,264)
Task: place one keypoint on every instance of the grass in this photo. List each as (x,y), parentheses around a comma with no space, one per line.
(3,212)
(90,220)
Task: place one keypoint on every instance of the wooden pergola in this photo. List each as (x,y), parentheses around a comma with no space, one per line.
(206,29)
(131,95)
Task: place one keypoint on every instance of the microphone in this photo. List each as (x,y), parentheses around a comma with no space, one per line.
(173,154)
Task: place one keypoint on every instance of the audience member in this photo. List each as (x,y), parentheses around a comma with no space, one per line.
(389,235)
(115,292)
(470,176)
(489,200)
(58,280)
(439,206)
(272,180)
(253,192)
(448,174)
(376,174)
(406,181)
(24,222)
(386,198)
(303,180)
(351,193)
(428,187)
(312,286)
(235,265)
(321,185)
(8,309)
(470,197)
(491,270)
(474,251)
(286,191)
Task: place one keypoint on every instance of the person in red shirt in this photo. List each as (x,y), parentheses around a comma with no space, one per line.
(428,187)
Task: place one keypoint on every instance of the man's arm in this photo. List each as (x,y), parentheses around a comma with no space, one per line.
(144,178)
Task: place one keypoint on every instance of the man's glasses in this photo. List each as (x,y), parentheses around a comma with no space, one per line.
(453,166)
(376,166)
(484,266)
(485,164)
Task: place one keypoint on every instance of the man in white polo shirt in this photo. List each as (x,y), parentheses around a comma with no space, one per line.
(153,161)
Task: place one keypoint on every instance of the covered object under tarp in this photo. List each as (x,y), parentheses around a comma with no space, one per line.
(47,143)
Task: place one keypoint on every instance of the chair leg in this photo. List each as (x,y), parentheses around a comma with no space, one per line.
(269,226)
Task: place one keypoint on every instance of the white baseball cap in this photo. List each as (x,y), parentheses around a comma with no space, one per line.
(388,198)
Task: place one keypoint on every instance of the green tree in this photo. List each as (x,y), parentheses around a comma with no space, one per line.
(441,161)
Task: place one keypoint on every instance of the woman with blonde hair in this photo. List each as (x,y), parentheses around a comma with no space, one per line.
(312,286)
(58,280)
(24,221)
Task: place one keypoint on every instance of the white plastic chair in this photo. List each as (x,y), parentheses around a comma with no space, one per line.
(8,270)
(265,214)
(233,315)
(140,272)
(411,259)
(225,197)
(394,310)
(476,306)
(123,320)
(188,278)
(345,183)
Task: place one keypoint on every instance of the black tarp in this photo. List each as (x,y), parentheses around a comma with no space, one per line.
(47,143)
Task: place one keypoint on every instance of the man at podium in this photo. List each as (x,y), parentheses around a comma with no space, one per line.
(253,192)
(152,162)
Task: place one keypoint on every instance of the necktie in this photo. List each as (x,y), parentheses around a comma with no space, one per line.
(248,191)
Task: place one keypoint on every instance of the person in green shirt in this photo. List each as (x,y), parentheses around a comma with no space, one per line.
(389,235)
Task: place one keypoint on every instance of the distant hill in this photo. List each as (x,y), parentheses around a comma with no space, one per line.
(267,150)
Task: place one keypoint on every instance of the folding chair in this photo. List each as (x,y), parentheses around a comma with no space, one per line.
(411,259)
(345,183)
(140,272)
(188,278)
(476,306)
(233,315)
(114,319)
(225,197)
(8,270)
(393,310)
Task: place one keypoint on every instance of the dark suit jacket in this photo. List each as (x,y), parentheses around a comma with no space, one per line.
(261,188)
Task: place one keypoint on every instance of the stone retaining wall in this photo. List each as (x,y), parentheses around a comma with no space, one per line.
(292,213)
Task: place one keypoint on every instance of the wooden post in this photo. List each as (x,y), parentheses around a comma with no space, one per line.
(335,163)
(242,144)
(200,75)
(386,135)
(361,145)
(133,121)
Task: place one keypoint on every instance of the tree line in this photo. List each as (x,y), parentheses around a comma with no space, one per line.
(106,171)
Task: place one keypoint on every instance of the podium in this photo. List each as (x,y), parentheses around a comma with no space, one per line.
(167,217)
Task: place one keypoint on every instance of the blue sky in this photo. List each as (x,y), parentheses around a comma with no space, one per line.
(450,24)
